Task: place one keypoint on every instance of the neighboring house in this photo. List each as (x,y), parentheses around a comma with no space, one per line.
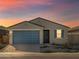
(28,36)
(74,37)
(3,35)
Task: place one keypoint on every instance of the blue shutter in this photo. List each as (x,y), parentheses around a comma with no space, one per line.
(62,33)
(55,34)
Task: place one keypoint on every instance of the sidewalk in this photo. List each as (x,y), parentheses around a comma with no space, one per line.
(15,54)
(19,54)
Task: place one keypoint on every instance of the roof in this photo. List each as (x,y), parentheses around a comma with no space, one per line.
(3,28)
(24,22)
(49,21)
(37,24)
(74,29)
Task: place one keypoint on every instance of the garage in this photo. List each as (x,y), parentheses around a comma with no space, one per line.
(26,37)
(27,40)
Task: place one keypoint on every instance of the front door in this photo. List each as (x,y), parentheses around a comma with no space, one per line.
(46,36)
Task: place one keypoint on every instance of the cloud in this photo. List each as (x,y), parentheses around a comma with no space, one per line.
(19,4)
(59,10)
(22,8)
(72,23)
(71,1)
(9,21)
(67,10)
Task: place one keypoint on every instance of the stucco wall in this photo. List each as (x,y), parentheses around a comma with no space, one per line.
(58,41)
(73,40)
(73,37)
(52,27)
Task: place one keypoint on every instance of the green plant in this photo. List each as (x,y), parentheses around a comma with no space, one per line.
(44,46)
(47,51)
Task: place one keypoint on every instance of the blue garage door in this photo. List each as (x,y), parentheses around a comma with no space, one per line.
(26,37)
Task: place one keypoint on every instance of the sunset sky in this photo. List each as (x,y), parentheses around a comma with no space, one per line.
(62,11)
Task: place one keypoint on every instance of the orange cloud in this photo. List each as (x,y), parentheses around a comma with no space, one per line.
(7,4)
(9,22)
(72,23)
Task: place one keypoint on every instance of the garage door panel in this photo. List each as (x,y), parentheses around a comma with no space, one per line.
(26,37)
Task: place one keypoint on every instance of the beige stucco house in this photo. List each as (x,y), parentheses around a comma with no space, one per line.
(28,35)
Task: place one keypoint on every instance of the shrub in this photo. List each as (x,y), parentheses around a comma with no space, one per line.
(47,51)
(2,46)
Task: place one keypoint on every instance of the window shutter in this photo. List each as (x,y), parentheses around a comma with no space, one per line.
(62,33)
(55,34)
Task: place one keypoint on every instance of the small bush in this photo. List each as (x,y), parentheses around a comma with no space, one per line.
(44,46)
(47,51)
(2,46)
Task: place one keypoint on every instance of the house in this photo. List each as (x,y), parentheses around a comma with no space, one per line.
(3,35)
(74,37)
(28,35)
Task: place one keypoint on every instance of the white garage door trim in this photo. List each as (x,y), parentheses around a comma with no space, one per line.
(11,34)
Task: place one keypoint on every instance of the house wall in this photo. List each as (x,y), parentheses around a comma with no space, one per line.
(74,37)
(52,27)
(58,41)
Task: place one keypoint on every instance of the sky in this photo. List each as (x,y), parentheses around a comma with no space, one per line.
(61,11)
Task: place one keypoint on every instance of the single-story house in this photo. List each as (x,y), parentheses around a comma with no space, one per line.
(28,35)
(74,37)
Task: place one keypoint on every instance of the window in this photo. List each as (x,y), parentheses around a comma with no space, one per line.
(59,33)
